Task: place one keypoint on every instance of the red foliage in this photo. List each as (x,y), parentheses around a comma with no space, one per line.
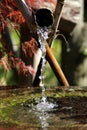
(36,4)
(29,47)
(9,10)
(17,16)
(22,68)
(9,61)
(14,62)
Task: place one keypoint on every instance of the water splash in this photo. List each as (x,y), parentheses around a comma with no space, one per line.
(42,110)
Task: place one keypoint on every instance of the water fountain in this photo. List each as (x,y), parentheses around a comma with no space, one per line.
(30,109)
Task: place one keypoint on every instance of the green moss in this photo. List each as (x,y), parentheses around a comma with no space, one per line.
(13,101)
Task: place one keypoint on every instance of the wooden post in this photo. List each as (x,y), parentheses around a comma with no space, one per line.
(57,16)
(56,67)
(52,35)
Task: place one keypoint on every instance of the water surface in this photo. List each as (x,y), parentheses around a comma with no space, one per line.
(24,109)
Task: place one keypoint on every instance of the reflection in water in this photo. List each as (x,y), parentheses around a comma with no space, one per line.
(43,116)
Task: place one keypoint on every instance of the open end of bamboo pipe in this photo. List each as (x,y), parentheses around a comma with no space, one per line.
(57,66)
(44,17)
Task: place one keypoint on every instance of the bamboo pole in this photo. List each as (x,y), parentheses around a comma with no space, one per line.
(57,16)
(52,35)
(27,13)
(56,67)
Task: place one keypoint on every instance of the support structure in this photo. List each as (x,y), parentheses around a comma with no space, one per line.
(52,61)
(56,67)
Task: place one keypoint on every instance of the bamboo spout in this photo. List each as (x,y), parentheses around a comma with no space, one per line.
(44,17)
(56,68)
(27,13)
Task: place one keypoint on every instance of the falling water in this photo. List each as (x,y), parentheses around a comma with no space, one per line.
(43,106)
(42,35)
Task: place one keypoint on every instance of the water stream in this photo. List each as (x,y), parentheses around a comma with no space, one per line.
(43,106)
(42,36)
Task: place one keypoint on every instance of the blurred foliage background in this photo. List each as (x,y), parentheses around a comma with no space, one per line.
(10,77)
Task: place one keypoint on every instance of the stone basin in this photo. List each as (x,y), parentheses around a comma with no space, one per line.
(22,109)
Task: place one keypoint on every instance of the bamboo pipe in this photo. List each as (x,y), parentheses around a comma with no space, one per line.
(27,13)
(57,16)
(54,64)
(50,58)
